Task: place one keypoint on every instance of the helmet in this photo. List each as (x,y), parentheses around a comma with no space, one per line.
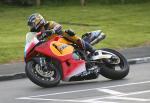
(35,21)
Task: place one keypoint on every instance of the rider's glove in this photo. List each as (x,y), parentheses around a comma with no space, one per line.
(42,35)
(50,32)
(70,32)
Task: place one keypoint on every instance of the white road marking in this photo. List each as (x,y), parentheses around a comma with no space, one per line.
(95,101)
(136,83)
(122,95)
(133,93)
(114,95)
(83,90)
(66,100)
(110,91)
(56,100)
(129,98)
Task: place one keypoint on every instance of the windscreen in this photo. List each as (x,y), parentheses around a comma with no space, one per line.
(30,36)
(31,41)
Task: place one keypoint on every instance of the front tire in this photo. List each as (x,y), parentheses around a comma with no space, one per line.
(109,71)
(41,80)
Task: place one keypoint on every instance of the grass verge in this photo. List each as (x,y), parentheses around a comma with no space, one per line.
(125,25)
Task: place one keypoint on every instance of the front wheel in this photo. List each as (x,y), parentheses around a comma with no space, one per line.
(115,71)
(48,77)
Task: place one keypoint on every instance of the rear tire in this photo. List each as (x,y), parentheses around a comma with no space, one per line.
(36,78)
(108,71)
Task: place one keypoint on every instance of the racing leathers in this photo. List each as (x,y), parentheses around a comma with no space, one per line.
(68,34)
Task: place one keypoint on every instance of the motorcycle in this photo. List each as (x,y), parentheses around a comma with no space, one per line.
(50,61)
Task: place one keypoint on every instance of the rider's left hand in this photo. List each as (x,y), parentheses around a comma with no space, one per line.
(50,32)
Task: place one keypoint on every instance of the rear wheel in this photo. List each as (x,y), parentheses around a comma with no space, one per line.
(115,71)
(47,76)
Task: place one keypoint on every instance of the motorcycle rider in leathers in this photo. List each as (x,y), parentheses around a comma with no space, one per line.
(38,24)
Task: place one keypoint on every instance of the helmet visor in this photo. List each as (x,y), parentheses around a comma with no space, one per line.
(30,24)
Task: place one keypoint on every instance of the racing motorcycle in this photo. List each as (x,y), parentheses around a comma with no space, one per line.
(52,60)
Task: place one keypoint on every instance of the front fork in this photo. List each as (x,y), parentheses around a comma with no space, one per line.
(42,62)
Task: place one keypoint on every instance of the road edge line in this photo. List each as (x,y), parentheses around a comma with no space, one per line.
(23,75)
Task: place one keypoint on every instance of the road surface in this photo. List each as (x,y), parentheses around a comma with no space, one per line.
(135,88)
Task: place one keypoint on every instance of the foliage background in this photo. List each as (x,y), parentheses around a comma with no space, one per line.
(126,25)
(72,2)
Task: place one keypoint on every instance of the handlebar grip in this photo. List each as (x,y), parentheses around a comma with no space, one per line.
(50,32)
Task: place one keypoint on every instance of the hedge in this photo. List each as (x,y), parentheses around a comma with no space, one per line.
(72,2)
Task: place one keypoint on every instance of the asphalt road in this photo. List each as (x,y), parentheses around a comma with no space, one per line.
(135,88)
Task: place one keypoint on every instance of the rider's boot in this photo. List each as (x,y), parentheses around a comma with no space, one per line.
(94,54)
(93,37)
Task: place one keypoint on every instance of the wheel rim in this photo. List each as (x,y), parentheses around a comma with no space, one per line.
(48,75)
(117,67)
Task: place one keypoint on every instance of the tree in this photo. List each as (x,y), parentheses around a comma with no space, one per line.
(82,2)
(38,2)
(8,1)
(23,2)
(122,1)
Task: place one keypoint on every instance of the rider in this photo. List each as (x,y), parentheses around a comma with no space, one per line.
(38,24)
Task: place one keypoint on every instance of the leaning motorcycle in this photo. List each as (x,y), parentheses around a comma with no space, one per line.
(52,60)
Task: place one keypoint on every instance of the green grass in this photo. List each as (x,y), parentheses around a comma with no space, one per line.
(125,25)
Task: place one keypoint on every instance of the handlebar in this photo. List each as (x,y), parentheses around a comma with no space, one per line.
(46,33)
